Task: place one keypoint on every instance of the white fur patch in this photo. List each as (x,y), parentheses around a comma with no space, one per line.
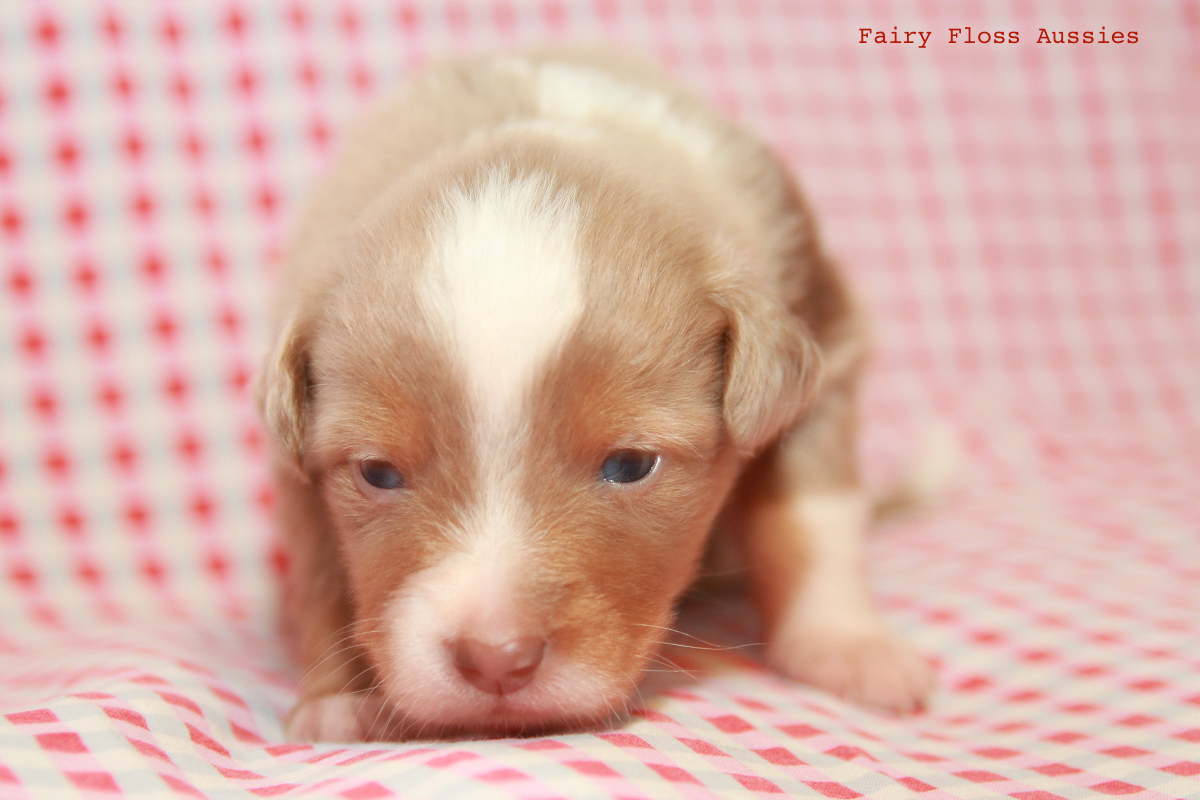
(834,526)
(566,130)
(477,591)
(505,282)
(575,94)
(834,523)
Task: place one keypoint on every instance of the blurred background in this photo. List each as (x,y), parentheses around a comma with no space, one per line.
(1021,220)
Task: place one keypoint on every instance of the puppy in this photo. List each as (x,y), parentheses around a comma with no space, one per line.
(544,322)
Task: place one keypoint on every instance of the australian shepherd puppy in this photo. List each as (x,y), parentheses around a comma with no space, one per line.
(546,321)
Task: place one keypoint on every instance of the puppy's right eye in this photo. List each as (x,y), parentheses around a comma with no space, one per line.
(380,474)
(628,466)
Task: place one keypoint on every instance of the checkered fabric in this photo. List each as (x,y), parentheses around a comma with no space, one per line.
(1022,221)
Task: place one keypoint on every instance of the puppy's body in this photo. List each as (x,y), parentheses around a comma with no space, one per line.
(526,280)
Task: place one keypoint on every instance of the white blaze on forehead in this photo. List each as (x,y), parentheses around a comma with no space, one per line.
(504,280)
(504,285)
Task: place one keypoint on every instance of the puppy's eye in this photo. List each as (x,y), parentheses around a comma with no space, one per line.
(628,466)
(381,474)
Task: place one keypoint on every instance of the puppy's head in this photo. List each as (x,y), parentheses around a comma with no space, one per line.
(523,395)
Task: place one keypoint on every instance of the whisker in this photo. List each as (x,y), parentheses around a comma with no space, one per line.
(704,645)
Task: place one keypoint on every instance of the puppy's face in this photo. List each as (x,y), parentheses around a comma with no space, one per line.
(516,405)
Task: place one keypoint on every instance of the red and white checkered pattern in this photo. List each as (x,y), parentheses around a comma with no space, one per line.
(1022,220)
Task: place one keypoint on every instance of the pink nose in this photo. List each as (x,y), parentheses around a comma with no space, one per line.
(499,668)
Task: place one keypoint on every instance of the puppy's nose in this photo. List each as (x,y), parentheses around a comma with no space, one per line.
(499,668)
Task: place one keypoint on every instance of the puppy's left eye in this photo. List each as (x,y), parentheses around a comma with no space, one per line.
(628,466)
(380,474)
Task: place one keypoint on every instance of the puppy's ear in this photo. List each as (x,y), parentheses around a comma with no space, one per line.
(772,367)
(283,391)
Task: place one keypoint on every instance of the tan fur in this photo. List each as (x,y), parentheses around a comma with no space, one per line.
(708,310)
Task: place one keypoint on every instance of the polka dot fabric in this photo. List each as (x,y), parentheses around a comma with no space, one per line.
(1022,220)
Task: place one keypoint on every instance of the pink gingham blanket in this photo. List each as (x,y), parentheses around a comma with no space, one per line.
(1022,220)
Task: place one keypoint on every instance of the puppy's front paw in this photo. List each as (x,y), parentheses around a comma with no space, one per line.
(873,668)
(343,718)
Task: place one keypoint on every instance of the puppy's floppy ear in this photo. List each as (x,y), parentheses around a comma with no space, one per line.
(772,367)
(283,390)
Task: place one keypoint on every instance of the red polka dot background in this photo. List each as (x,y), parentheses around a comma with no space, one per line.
(1021,219)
